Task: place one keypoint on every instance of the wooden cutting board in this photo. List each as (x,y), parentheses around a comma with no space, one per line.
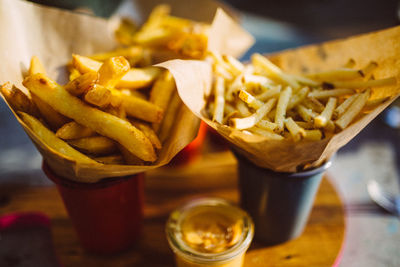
(168,188)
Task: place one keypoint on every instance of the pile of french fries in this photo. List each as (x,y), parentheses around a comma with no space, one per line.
(116,107)
(184,37)
(98,116)
(259,98)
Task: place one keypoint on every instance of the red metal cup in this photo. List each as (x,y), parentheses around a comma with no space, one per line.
(107,215)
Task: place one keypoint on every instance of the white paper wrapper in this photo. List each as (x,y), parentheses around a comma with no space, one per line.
(53,35)
(382,47)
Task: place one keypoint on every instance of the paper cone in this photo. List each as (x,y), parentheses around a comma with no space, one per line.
(53,35)
(382,47)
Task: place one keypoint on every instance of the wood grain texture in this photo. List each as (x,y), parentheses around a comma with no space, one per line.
(318,246)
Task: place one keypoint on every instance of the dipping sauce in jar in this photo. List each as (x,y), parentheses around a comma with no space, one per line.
(209,232)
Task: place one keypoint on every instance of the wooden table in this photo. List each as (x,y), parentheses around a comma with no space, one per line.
(167,189)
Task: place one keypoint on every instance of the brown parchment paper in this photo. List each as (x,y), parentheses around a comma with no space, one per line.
(284,155)
(53,35)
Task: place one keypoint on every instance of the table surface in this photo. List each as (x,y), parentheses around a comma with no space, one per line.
(324,232)
(372,235)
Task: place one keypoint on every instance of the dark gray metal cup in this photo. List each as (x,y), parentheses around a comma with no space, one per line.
(278,202)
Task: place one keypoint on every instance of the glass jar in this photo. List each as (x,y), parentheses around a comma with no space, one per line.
(209,232)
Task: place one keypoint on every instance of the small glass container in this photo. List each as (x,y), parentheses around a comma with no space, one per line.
(209,232)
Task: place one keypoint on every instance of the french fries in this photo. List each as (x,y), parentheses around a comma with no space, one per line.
(52,140)
(259,98)
(101,122)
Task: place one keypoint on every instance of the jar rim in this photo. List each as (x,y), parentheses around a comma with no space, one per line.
(179,246)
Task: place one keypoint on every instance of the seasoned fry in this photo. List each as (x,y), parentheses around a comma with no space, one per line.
(73,130)
(137,107)
(281,107)
(337,75)
(313,135)
(52,141)
(18,100)
(148,132)
(219,101)
(248,122)
(330,93)
(313,104)
(353,110)
(133,54)
(376,102)
(268,125)
(242,108)
(273,92)
(82,83)
(266,133)
(98,95)
(103,123)
(273,71)
(344,106)
(134,79)
(322,119)
(36,66)
(96,145)
(295,130)
(250,100)
(169,117)
(298,97)
(112,71)
(161,93)
(53,118)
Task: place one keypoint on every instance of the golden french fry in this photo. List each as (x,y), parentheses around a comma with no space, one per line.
(73,73)
(322,94)
(235,64)
(96,145)
(98,95)
(248,122)
(52,141)
(112,71)
(36,66)
(295,130)
(111,159)
(306,114)
(103,123)
(242,108)
(344,106)
(355,108)
(219,101)
(268,125)
(273,71)
(82,83)
(169,117)
(161,93)
(281,107)
(306,81)
(273,92)
(149,132)
(137,107)
(337,75)
(250,100)
(132,53)
(18,100)
(305,124)
(73,130)
(53,118)
(376,102)
(313,135)
(134,79)
(322,119)
(124,33)
(266,133)
(298,97)
(130,158)
(313,104)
